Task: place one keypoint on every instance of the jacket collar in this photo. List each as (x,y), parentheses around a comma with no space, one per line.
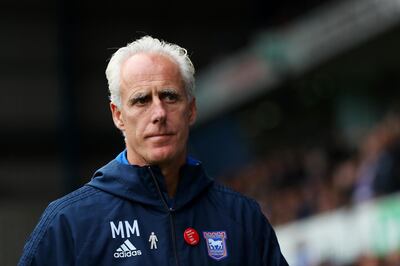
(138,183)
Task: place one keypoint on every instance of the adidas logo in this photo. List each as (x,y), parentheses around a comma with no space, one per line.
(127,250)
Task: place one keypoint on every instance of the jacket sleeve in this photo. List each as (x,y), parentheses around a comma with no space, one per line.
(272,255)
(51,241)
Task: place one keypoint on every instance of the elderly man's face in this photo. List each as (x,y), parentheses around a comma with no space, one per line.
(155,112)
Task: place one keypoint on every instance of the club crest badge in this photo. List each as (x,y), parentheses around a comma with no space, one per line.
(216,244)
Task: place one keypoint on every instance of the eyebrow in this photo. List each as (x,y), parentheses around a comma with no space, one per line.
(138,96)
(169,90)
(141,95)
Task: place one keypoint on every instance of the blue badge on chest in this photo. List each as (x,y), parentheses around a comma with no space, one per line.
(216,244)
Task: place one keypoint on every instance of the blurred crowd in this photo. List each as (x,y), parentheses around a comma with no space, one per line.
(293,183)
(392,259)
(298,182)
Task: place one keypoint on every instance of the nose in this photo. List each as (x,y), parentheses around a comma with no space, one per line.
(158,113)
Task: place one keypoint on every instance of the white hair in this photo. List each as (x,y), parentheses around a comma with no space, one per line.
(148,44)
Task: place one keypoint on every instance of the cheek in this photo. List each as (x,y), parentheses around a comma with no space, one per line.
(181,120)
(183,124)
(184,114)
(133,125)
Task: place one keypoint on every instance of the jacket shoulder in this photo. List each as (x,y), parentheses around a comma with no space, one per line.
(231,195)
(71,199)
(238,207)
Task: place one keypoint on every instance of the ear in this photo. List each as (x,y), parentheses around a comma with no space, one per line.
(117,117)
(192,111)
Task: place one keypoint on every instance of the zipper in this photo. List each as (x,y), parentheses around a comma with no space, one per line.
(170,211)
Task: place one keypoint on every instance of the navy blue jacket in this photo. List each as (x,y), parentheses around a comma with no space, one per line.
(123,216)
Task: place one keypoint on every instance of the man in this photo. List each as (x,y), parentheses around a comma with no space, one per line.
(152,190)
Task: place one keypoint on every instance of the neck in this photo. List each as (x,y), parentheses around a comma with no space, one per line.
(170,171)
(171,175)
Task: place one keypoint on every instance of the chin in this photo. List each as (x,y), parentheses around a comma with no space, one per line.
(162,156)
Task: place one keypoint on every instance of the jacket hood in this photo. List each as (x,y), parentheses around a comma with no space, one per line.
(138,183)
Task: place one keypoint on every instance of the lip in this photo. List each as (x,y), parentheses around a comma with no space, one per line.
(159,135)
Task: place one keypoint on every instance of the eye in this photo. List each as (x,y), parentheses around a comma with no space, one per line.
(139,100)
(170,96)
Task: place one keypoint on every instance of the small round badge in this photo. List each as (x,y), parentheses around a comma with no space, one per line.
(191,236)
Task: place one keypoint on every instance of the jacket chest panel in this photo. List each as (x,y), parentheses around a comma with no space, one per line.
(141,237)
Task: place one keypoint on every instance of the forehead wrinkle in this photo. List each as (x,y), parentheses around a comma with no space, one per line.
(152,81)
(153,84)
(147,88)
(150,78)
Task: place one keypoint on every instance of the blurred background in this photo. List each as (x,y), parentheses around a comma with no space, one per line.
(298,108)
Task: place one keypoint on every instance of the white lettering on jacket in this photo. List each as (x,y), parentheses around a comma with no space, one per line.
(122,231)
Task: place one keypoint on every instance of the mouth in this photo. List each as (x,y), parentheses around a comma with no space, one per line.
(159,135)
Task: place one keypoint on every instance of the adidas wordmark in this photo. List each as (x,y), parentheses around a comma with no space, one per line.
(126,250)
